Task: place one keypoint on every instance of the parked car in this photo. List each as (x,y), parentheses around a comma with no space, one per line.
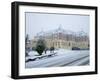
(75,48)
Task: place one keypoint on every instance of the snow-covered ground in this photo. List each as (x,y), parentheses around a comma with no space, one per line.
(62,57)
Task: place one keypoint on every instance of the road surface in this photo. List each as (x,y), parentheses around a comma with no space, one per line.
(61,59)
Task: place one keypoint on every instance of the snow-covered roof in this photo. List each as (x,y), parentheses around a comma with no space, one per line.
(81,33)
(42,33)
(61,30)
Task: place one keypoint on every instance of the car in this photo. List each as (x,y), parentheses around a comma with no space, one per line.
(75,48)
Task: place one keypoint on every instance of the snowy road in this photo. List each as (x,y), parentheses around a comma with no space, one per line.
(62,58)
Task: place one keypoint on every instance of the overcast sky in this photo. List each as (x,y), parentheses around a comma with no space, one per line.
(36,22)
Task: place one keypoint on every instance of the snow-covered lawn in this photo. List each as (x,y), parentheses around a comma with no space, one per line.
(62,57)
(34,54)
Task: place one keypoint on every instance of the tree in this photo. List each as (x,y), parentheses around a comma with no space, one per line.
(52,49)
(26,38)
(26,43)
(40,46)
